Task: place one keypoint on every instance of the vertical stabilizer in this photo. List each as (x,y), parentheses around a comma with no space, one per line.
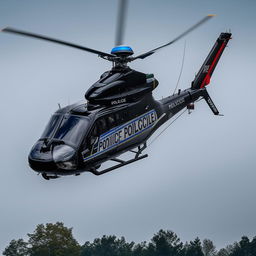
(203,77)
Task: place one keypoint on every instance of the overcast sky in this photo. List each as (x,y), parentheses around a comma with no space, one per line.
(199,178)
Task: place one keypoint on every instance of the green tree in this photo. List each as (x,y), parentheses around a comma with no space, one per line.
(140,249)
(223,252)
(107,246)
(150,250)
(87,249)
(194,248)
(253,246)
(166,243)
(53,240)
(244,247)
(16,248)
(208,248)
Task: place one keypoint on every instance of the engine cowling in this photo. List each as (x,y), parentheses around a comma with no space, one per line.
(117,87)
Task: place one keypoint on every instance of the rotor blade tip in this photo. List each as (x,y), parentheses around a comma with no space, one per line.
(211,15)
(4,29)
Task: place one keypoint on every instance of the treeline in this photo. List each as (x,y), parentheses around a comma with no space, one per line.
(57,240)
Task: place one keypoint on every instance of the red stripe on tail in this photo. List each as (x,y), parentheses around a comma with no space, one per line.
(207,78)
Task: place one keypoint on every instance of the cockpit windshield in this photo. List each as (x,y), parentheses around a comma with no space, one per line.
(70,130)
(51,126)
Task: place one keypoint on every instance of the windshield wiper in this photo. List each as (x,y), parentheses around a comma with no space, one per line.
(48,142)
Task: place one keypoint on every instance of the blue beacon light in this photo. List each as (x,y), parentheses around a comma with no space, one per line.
(122,50)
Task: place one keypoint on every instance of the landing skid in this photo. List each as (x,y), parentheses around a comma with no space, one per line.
(121,162)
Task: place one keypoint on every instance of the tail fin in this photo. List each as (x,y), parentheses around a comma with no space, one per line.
(204,75)
(210,103)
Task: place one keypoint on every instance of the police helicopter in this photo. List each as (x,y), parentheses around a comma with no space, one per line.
(120,113)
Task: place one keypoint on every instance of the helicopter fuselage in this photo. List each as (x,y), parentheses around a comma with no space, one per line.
(77,139)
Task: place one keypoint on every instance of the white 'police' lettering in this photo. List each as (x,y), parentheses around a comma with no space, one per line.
(176,103)
(125,132)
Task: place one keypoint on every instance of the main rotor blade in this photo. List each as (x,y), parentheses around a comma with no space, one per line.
(24,33)
(121,18)
(144,55)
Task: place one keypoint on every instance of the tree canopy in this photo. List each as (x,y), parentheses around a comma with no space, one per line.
(57,240)
(50,239)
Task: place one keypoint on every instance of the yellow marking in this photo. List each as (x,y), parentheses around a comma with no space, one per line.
(211,15)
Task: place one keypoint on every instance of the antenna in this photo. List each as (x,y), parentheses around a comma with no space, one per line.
(182,64)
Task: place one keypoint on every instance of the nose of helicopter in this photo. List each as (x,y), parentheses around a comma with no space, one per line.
(41,159)
(51,159)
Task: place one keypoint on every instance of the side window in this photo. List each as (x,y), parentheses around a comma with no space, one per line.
(99,128)
(111,121)
(101,125)
(118,118)
(121,117)
(94,135)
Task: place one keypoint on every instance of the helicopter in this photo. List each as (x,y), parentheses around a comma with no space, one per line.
(120,113)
